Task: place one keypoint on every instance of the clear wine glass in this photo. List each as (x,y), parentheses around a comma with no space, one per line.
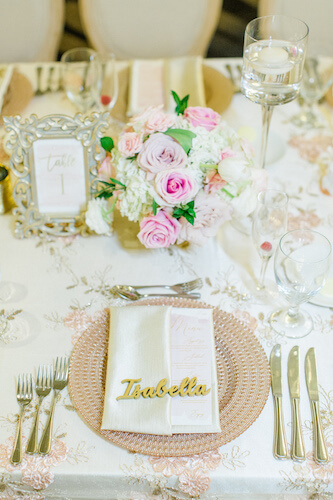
(273,59)
(301,265)
(110,86)
(317,79)
(82,77)
(269,224)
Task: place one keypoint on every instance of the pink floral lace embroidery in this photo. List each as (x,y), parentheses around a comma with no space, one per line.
(78,320)
(193,471)
(306,220)
(36,469)
(310,148)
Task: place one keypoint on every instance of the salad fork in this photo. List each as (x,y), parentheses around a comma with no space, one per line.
(24,397)
(43,387)
(60,380)
(185,287)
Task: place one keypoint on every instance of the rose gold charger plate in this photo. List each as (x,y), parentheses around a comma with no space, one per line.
(243,384)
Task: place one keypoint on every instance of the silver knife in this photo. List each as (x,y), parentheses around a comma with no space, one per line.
(297,444)
(280,448)
(319,447)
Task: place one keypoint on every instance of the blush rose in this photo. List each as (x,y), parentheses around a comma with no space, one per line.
(161,152)
(175,187)
(202,117)
(129,144)
(159,231)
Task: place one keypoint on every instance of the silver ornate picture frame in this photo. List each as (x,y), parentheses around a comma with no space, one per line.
(70,164)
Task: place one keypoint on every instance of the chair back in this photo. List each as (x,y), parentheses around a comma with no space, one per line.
(150,29)
(317,14)
(30,30)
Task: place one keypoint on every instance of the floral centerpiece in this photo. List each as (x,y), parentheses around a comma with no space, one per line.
(180,176)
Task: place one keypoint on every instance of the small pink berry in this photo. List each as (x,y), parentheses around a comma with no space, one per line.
(266,246)
(105,100)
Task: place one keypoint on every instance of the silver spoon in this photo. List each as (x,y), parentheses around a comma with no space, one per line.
(130,293)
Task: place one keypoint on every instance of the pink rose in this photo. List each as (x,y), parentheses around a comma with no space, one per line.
(202,117)
(129,144)
(106,169)
(175,187)
(211,212)
(214,182)
(161,152)
(160,230)
(158,122)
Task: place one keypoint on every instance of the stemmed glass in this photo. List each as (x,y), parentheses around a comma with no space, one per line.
(301,265)
(269,224)
(82,77)
(273,58)
(110,86)
(317,79)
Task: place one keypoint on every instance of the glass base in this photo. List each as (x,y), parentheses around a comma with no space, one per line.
(291,327)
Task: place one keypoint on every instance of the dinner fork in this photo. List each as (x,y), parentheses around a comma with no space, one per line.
(24,397)
(185,287)
(60,380)
(43,387)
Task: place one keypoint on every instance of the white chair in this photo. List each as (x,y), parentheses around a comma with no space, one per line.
(317,14)
(144,29)
(30,30)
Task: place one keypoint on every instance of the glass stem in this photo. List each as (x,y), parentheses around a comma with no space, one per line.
(266,121)
(261,282)
(293,313)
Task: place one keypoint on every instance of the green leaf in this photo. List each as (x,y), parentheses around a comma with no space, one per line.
(117,182)
(104,194)
(181,104)
(107,143)
(189,218)
(154,207)
(183,137)
(186,211)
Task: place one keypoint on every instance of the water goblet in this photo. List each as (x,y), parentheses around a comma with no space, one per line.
(82,77)
(301,265)
(317,79)
(269,224)
(273,58)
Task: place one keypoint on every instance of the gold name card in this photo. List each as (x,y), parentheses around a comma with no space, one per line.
(188,387)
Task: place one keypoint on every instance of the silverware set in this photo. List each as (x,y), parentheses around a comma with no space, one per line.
(235,73)
(47,380)
(280,447)
(52,83)
(182,290)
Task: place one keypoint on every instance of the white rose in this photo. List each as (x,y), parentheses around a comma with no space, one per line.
(99,217)
(234,168)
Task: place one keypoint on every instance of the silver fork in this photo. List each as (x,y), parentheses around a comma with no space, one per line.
(185,287)
(235,78)
(44,383)
(24,397)
(59,382)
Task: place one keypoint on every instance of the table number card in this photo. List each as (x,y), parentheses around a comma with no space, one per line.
(54,159)
(60,176)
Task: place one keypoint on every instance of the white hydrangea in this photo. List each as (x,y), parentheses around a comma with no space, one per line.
(136,199)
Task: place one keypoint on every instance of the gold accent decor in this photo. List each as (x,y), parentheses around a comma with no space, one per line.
(243,384)
(87,130)
(187,387)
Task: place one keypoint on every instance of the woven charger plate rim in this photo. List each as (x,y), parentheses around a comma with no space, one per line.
(243,384)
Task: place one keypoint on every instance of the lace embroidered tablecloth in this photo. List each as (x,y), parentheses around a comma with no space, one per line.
(55,288)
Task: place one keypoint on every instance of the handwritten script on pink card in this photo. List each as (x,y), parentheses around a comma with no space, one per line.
(60,177)
(192,355)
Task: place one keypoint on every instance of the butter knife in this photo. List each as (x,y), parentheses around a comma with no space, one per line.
(319,447)
(280,448)
(297,444)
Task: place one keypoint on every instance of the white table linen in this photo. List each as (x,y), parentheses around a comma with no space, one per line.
(61,285)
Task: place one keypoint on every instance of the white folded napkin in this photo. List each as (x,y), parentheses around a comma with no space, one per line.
(152,343)
(152,80)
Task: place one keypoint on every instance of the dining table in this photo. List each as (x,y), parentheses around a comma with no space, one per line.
(54,289)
